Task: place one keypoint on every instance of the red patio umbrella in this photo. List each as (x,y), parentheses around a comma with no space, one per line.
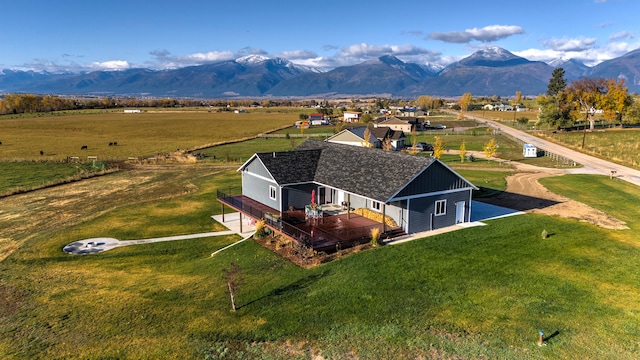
(313,197)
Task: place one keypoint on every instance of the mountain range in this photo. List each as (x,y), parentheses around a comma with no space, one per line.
(487,72)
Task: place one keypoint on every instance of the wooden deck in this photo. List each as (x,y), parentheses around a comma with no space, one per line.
(326,233)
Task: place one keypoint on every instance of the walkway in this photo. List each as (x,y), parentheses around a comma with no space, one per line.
(98,245)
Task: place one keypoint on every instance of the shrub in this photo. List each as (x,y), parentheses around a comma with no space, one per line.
(545,234)
(260,229)
(375,236)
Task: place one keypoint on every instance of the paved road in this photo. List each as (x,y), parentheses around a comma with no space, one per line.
(592,165)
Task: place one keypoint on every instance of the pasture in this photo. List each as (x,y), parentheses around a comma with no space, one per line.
(618,145)
(137,135)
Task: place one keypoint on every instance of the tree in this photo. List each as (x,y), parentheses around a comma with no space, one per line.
(557,83)
(386,144)
(233,277)
(438,147)
(587,95)
(518,99)
(414,141)
(490,148)
(463,151)
(616,100)
(303,116)
(633,111)
(367,138)
(464,102)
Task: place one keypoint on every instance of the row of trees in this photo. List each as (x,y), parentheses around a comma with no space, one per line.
(565,105)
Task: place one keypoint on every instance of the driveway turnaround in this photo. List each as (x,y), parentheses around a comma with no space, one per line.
(97,245)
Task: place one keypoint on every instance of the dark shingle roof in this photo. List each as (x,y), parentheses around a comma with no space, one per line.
(374,173)
(291,167)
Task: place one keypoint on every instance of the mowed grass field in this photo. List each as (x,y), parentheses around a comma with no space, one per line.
(481,292)
(137,135)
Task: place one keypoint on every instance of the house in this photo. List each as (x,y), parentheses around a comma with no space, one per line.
(351,116)
(520,108)
(318,119)
(416,193)
(378,137)
(396,123)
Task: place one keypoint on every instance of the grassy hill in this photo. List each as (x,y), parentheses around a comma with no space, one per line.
(482,292)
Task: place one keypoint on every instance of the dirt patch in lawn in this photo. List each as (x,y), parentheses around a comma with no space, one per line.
(525,193)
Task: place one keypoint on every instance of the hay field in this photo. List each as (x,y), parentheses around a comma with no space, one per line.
(137,135)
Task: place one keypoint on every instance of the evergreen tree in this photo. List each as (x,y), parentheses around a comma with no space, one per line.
(557,82)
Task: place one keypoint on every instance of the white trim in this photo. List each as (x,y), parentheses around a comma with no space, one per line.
(420,196)
(260,177)
(273,190)
(435,207)
(377,208)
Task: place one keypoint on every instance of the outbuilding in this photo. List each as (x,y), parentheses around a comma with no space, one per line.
(529,151)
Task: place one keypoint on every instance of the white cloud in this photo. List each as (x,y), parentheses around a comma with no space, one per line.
(569,44)
(485,34)
(110,65)
(590,56)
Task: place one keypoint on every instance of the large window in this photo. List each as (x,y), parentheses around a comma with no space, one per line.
(272,192)
(441,207)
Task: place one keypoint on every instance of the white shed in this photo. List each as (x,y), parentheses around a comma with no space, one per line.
(529,151)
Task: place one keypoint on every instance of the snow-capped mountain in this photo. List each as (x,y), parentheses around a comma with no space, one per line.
(490,71)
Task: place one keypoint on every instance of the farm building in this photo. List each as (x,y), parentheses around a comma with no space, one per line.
(529,151)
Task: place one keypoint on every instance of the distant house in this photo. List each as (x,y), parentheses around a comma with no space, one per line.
(399,123)
(520,108)
(131,111)
(318,119)
(239,111)
(502,107)
(378,137)
(412,112)
(415,193)
(351,116)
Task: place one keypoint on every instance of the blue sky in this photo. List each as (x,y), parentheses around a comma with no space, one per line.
(85,35)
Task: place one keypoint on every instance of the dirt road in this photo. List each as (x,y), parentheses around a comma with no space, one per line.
(525,193)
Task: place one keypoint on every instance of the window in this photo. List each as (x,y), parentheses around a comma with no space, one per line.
(441,207)
(272,192)
(375,206)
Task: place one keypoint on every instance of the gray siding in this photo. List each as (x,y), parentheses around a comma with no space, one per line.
(435,178)
(421,211)
(258,189)
(256,167)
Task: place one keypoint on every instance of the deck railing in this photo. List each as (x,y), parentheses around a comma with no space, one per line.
(343,237)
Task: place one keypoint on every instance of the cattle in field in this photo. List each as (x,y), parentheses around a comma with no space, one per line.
(41,152)
(110,144)
(0,142)
(84,147)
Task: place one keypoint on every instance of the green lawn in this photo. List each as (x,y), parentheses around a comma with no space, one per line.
(481,292)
